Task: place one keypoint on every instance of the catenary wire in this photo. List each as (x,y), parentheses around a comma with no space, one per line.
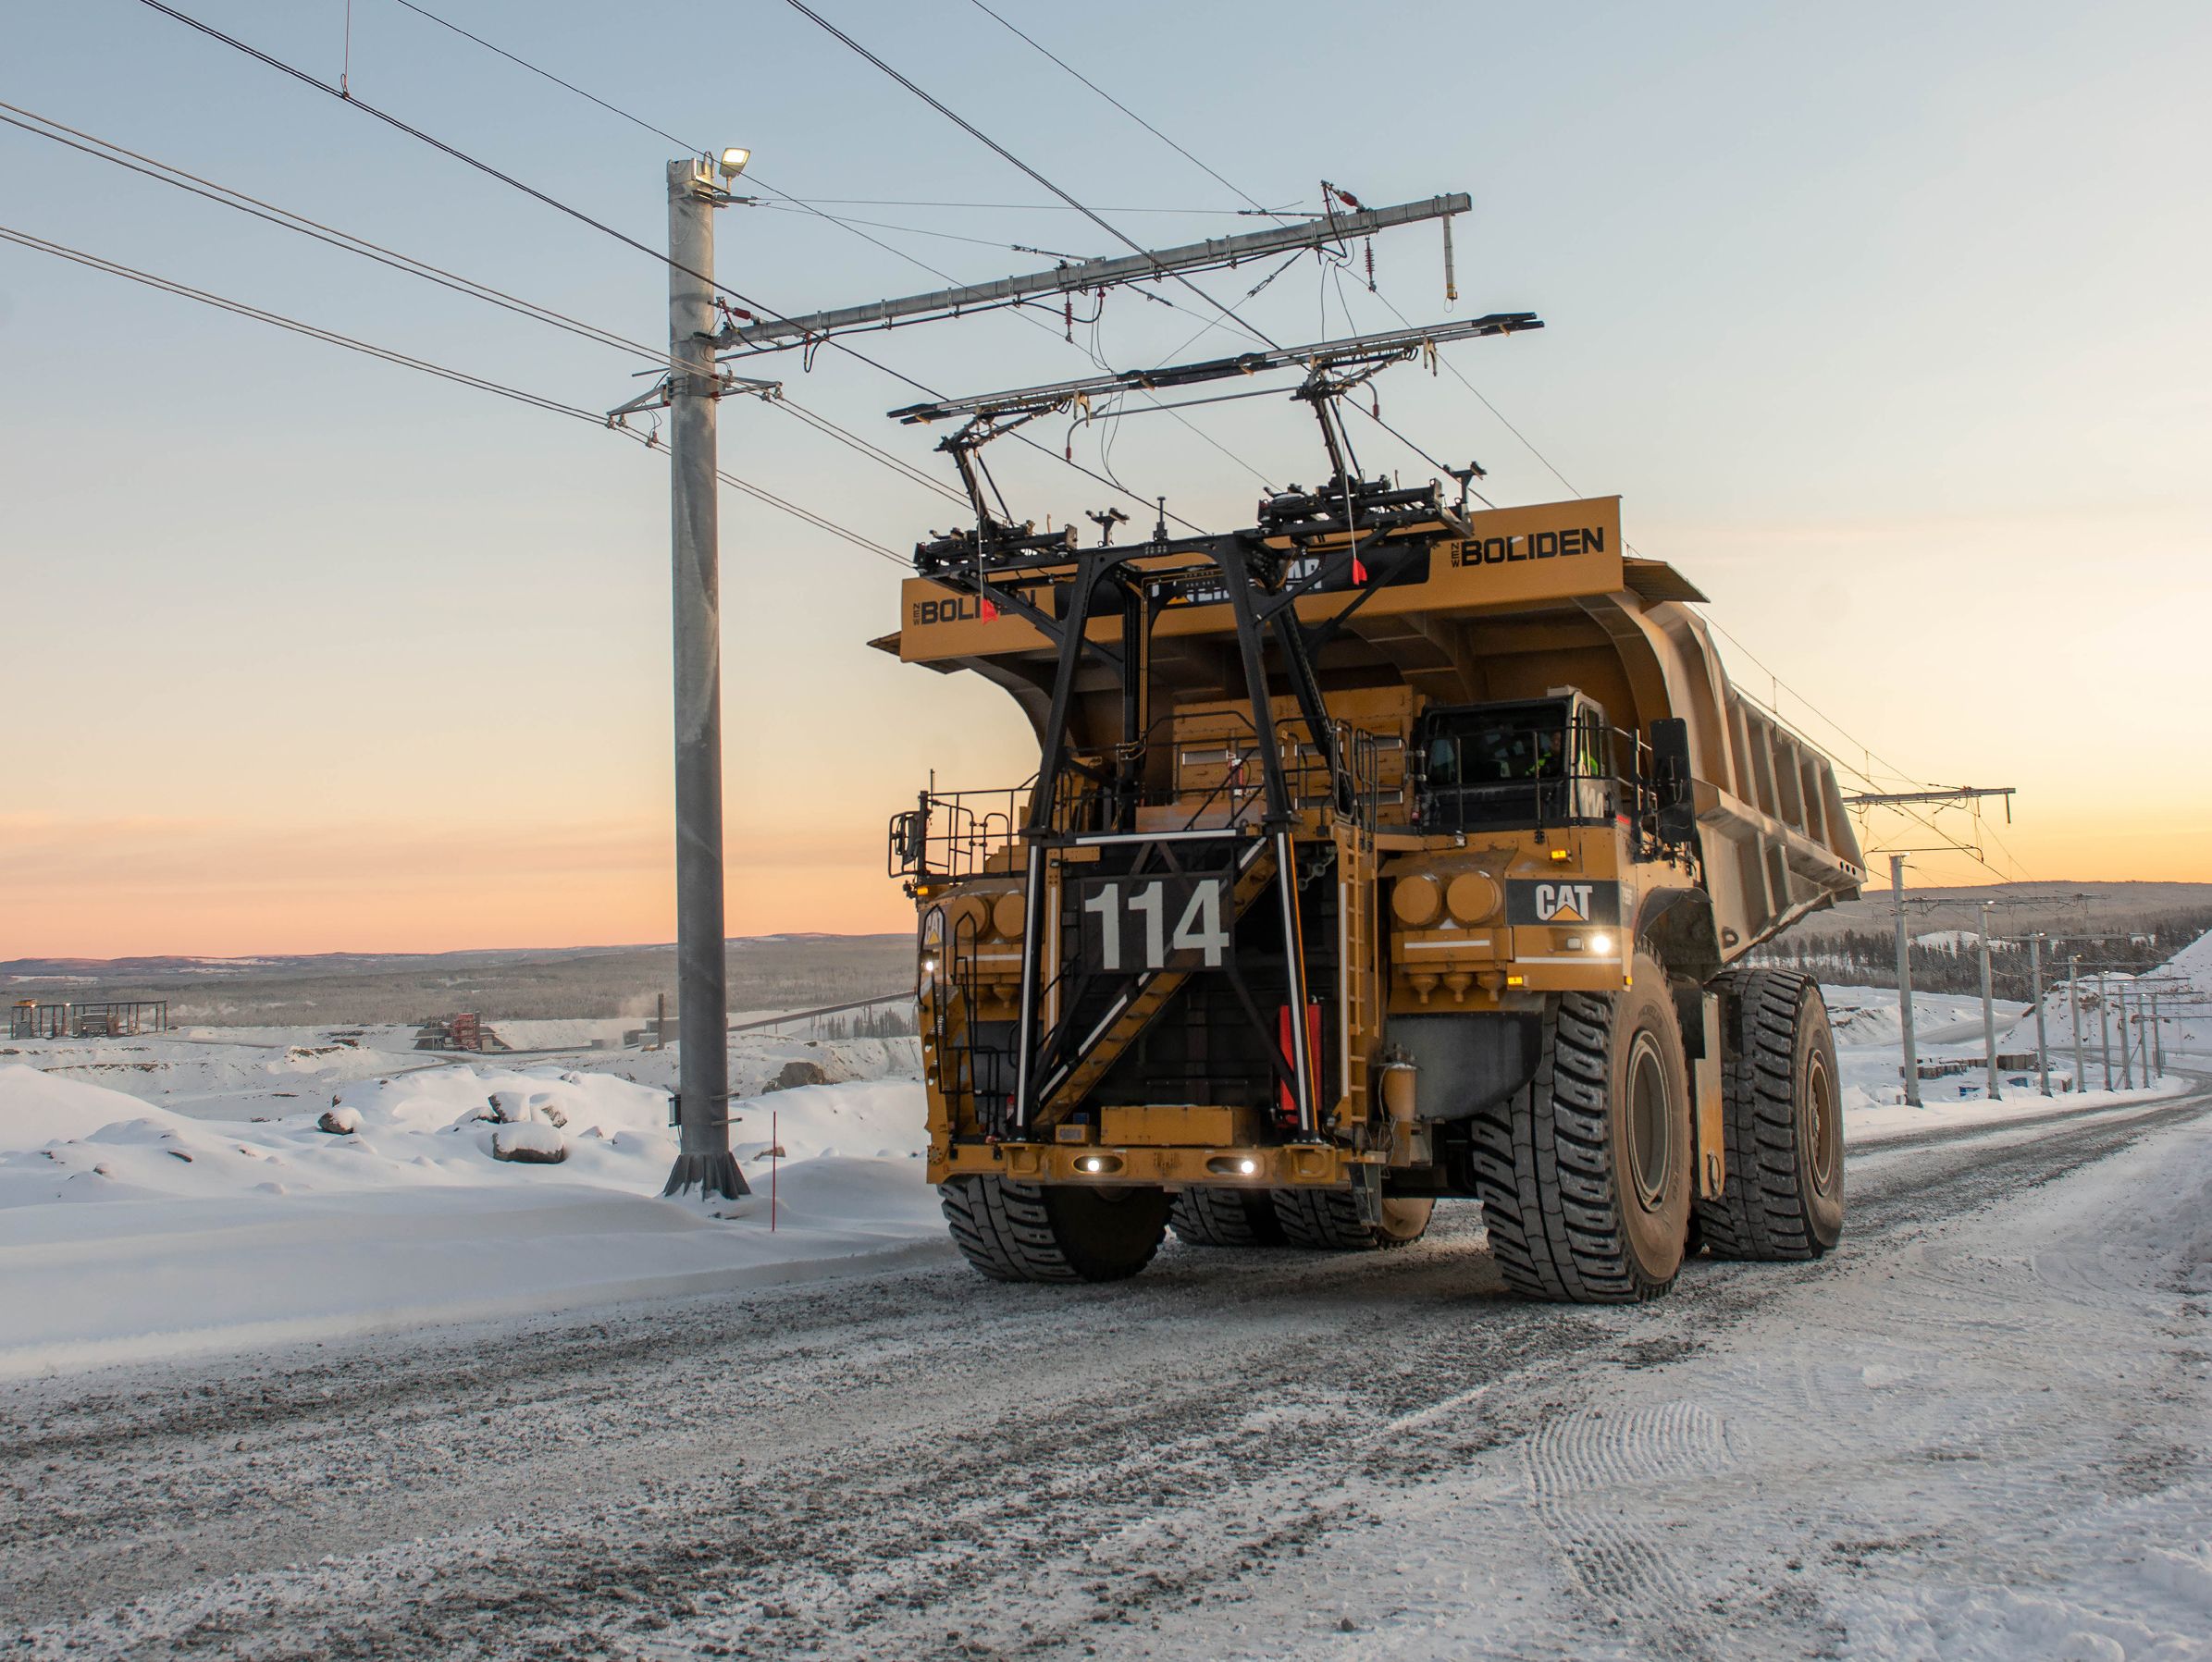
(137,162)
(984,139)
(851,226)
(106,150)
(405,361)
(1117,102)
(788,206)
(744,299)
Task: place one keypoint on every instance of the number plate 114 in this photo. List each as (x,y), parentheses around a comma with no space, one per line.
(1133,924)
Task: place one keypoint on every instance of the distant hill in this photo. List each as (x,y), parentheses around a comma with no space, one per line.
(767,972)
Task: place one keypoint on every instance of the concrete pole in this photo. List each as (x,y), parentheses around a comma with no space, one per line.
(1989,1011)
(2103,1027)
(2073,1003)
(2043,1043)
(1912,1060)
(703,1159)
(2157,1043)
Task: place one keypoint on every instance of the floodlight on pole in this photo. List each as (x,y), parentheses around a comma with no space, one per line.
(733,160)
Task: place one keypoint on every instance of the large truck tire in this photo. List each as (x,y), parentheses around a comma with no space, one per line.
(1782,1121)
(1585,1173)
(1327,1220)
(1225,1217)
(1031,1232)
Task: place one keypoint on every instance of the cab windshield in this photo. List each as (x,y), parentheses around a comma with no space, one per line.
(1499,765)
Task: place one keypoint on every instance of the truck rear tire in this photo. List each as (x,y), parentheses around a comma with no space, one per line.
(1584,1173)
(1327,1220)
(1031,1232)
(1225,1217)
(1782,1121)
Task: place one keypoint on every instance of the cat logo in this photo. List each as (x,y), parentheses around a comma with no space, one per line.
(1563,902)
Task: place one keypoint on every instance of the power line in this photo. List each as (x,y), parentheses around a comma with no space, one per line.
(166,172)
(1248,197)
(1155,132)
(596,223)
(791,206)
(133,161)
(405,361)
(315,331)
(992,144)
(547,75)
(578,214)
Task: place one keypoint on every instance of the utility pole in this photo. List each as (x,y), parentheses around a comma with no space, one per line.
(703,1158)
(2043,1043)
(1989,1010)
(1944,796)
(2157,1043)
(2073,1003)
(2127,1044)
(1912,1061)
(2104,1025)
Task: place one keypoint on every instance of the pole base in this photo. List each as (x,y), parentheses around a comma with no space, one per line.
(711,1174)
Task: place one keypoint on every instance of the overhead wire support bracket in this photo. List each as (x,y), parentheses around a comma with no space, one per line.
(1966,794)
(778,333)
(725,385)
(1386,346)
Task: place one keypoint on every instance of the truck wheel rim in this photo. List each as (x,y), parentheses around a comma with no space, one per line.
(1820,1111)
(1650,1139)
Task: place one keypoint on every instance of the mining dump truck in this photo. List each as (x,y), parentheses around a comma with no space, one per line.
(1389,850)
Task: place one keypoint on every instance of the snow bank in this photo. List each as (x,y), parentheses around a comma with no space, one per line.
(128,1231)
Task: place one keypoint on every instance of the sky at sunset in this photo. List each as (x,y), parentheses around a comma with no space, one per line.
(1887,323)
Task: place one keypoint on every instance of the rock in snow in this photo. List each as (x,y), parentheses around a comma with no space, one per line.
(795,1074)
(529,1143)
(340,1122)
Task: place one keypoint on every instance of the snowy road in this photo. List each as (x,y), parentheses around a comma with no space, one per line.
(1977,1430)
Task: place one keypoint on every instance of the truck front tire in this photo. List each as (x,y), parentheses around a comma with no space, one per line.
(1585,1173)
(1782,1119)
(1031,1232)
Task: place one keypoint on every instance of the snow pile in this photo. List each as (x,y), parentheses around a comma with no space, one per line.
(130,1231)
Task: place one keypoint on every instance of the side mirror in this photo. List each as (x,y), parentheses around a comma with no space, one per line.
(1671,782)
(910,843)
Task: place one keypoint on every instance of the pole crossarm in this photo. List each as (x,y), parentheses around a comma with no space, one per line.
(1389,345)
(775,334)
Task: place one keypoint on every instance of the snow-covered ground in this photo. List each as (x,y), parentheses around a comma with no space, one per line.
(193,1199)
(1976,1430)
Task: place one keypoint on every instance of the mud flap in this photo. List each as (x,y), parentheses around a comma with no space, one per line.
(1367,1193)
(1705,1071)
